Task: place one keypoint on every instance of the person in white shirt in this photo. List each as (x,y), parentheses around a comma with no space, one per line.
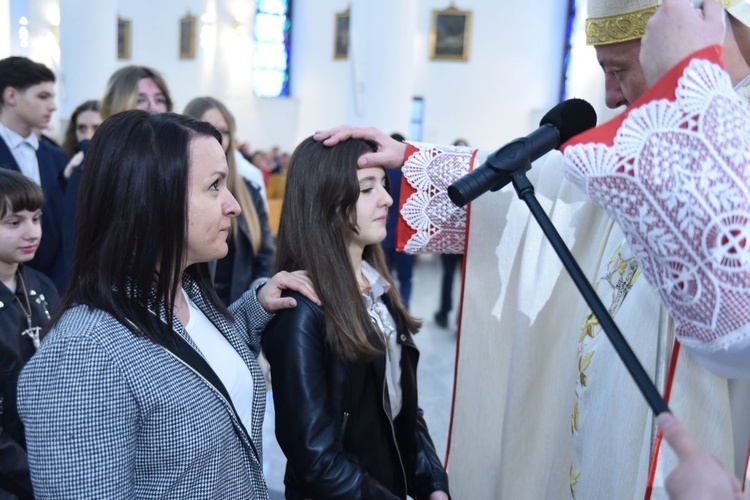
(27,102)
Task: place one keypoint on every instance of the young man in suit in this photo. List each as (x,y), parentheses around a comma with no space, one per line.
(27,101)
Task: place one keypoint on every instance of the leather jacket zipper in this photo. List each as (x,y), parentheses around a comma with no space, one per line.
(393,435)
(343,426)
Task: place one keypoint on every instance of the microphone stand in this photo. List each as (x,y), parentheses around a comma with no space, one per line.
(525,191)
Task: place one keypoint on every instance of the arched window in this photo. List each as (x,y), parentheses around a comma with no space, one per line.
(271,48)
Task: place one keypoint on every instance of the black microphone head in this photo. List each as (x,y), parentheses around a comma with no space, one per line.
(570,118)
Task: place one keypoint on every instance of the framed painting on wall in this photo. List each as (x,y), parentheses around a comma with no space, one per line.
(187,37)
(450,34)
(123,38)
(341,36)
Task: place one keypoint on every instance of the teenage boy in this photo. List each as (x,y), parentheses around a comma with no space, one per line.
(27,101)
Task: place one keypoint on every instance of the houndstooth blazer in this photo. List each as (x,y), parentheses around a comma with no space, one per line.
(112,415)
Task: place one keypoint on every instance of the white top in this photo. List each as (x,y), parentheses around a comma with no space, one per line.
(385,323)
(251,173)
(224,360)
(23,150)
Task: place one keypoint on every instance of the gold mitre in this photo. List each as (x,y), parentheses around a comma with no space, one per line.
(739,9)
(615,21)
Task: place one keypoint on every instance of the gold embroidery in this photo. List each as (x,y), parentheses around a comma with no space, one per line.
(587,330)
(618,28)
(621,275)
(583,363)
(619,278)
(574,475)
(729,3)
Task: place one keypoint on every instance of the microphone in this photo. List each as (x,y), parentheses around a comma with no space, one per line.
(567,119)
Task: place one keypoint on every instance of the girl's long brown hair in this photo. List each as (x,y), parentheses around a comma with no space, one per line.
(317,220)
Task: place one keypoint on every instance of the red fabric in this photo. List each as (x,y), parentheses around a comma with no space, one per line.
(662,89)
(747,468)
(657,443)
(458,330)
(403,231)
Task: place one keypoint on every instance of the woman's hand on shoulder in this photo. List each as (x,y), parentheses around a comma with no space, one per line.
(270,297)
(439,495)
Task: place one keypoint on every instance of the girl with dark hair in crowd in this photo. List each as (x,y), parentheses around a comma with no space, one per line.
(26,300)
(345,375)
(146,385)
(83,123)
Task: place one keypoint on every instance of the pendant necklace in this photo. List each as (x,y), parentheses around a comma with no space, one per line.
(376,309)
(33,332)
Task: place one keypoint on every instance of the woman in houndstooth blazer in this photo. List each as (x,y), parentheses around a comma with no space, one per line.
(146,385)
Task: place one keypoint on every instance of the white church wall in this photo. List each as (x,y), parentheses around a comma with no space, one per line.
(5,29)
(513,69)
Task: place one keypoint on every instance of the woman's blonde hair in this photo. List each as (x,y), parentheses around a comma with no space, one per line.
(196,108)
(121,93)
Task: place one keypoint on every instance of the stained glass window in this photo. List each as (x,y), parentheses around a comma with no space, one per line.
(416,125)
(574,36)
(271,48)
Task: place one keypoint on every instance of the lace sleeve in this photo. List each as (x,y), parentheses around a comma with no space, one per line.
(434,223)
(676,178)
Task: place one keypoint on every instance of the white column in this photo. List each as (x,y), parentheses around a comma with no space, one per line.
(88,45)
(18,9)
(44,20)
(5,32)
(384,63)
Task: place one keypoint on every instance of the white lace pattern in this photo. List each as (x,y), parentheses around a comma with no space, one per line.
(439,225)
(677,181)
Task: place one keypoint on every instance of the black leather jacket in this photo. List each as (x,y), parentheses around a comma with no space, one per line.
(331,421)
(15,352)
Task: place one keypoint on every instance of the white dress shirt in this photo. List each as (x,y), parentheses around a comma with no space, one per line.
(24,151)
(384,322)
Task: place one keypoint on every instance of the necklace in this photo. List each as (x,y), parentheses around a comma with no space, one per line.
(33,332)
(379,316)
(376,309)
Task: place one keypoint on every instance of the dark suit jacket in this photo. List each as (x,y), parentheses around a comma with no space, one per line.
(49,257)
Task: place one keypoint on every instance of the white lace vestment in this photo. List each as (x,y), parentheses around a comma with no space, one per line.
(677,180)
(518,364)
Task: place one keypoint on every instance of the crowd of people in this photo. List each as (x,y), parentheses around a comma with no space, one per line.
(163,254)
(141,283)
